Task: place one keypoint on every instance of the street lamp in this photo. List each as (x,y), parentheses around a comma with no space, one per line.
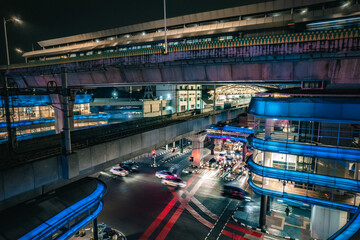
(16,20)
(18,50)
(5,86)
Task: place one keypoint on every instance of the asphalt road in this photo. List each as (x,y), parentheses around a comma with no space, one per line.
(141,207)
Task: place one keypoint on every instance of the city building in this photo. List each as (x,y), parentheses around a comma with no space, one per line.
(306,149)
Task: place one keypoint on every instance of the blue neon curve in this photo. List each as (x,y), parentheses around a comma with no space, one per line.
(81,224)
(309,109)
(234,129)
(306,150)
(309,200)
(238,139)
(303,177)
(349,229)
(55,223)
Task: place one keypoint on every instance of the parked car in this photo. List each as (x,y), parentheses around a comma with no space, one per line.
(131,167)
(173,181)
(163,174)
(119,171)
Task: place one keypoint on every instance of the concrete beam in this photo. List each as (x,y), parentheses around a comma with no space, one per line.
(32,179)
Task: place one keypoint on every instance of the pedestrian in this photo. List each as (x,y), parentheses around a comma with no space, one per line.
(287,211)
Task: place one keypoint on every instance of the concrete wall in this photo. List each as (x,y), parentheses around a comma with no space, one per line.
(30,180)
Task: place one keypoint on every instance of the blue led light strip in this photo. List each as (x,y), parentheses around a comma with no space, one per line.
(227,137)
(55,223)
(305,199)
(303,177)
(81,224)
(234,129)
(306,150)
(349,229)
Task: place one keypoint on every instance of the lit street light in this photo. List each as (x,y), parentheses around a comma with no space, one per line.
(18,50)
(5,87)
(17,20)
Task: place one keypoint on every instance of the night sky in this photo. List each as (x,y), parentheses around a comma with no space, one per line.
(46,19)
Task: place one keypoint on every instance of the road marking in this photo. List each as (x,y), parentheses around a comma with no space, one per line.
(204,209)
(158,220)
(162,235)
(245,230)
(218,219)
(163,214)
(233,236)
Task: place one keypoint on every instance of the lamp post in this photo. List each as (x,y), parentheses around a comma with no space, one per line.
(5,87)
(5,32)
(166,45)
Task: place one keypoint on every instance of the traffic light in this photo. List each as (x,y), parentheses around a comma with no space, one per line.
(153,152)
(191,159)
(173,150)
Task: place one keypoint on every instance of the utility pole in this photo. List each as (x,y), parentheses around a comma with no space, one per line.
(7,113)
(65,95)
(166,45)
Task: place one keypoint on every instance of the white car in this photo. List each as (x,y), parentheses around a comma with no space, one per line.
(119,171)
(163,174)
(173,181)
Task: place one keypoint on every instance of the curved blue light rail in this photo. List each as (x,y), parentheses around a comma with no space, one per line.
(227,137)
(349,229)
(41,100)
(306,150)
(303,177)
(309,200)
(50,120)
(58,221)
(307,109)
(233,129)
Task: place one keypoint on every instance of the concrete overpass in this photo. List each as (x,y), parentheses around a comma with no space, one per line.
(323,56)
(36,177)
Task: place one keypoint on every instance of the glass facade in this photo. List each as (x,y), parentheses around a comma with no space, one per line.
(307,158)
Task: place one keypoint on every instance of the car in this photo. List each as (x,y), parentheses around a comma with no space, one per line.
(234,192)
(163,174)
(173,181)
(212,163)
(131,167)
(238,154)
(119,171)
(221,157)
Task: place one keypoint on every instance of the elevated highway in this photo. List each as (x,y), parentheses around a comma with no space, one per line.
(31,173)
(330,56)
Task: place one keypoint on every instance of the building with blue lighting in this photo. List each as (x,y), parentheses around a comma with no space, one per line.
(307,149)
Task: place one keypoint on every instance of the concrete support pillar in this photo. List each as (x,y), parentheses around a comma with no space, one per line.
(244,151)
(212,146)
(57,103)
(269,128)
(167,147)
(263,211)
(181,143)
(228,117)
(325,221)
(95,229)
(197,147)
(174,145)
